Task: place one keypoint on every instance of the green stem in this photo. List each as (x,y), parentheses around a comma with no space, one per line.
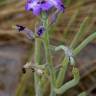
(49,61)
(83,94)
(62,72)
(64,63)
(84,43)
(38,88)
(81,32)
(66,86)
(22,86)
(69,84)
(48,55)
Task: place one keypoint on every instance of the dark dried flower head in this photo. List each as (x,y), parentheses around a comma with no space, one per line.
(20,28)
(25,30)
(23,70)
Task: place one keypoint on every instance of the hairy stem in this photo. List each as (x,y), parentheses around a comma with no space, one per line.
(64,63)
(48,56)
(38,88)
(62,72)
(81,32)
(84,43)
(69,84)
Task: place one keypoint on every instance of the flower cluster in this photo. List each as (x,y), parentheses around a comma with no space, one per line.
(37,6)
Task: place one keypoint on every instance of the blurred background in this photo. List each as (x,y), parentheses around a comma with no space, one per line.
(15,47)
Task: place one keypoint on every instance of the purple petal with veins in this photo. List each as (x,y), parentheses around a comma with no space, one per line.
(37,6)
(58,4)
(47,6)
(34,7)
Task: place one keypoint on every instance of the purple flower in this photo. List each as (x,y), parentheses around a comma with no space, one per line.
(37,6)
(25,30)
(40,30)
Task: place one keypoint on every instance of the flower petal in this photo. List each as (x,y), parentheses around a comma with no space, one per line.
(40,30)
(34,7)
(28,32)
(37,6)
(58,4)
(47,5)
